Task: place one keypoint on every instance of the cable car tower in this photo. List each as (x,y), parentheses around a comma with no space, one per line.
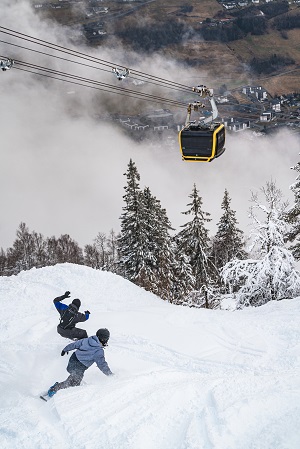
(204,140)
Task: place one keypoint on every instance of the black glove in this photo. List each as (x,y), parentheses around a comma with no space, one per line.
(67,295)
(87,311)
(63,352)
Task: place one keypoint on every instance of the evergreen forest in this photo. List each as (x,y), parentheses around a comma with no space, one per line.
(188,267)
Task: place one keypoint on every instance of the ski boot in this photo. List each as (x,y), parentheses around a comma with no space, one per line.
(52,390)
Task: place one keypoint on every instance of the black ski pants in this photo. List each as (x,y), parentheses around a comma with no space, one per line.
(76,370)
(72,334)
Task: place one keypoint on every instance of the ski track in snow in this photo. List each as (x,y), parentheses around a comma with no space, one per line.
(184,379)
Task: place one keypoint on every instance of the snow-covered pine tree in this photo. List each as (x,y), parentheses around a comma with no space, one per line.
(165,255)
(184,280)
(272,275)
(145,245)
(293,216)
(148,275)
(228,243)
(168,276)
(194,242)
(132,240)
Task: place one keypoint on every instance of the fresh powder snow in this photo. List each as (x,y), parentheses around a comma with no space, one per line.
(184,378)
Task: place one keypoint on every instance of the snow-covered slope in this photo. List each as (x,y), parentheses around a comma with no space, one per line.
(184,378)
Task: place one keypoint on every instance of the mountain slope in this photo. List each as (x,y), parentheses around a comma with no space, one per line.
(152,26)
(184,378)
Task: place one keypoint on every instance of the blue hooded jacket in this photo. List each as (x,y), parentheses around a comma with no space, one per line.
(90,350)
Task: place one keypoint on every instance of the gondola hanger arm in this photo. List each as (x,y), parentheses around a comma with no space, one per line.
(204,92)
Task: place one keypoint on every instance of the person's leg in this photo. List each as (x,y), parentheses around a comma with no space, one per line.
(76,370)
(77,334)
(66,333)
(74,380)
(72,334)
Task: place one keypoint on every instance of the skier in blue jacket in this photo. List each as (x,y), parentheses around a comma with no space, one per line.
(69,317)
(89,351)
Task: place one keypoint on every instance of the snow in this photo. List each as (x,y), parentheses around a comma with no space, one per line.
(184,378)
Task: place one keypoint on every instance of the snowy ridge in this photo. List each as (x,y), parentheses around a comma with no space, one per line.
(184,378)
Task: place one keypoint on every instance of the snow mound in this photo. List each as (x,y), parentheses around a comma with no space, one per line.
(184,378)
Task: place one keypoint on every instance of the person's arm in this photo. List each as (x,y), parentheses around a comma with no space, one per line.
(82,317)
(101,363)
(56,301)
(72,346)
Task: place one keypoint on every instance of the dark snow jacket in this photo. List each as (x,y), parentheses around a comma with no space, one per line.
(60,307)
(89,351)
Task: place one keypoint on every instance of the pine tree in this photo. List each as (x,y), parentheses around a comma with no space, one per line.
(184,280)
(163,251)
(148,277)
(161,270)
(145,244)
(293,216)
(272,275)
(194,242)
(228,242)
(133,238)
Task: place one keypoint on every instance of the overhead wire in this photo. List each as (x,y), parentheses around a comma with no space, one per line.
(81,63)
(56,47)
(84,85)
(79,80)
(54,56)
(51,73)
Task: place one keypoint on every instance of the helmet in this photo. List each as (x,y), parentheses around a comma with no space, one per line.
(103,336)
(76,302)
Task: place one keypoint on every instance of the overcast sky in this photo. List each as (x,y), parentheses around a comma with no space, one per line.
(62,172)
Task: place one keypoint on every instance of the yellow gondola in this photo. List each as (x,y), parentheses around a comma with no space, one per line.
(205,140)
(202,144)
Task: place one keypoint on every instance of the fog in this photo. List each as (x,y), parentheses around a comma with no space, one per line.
(62,170)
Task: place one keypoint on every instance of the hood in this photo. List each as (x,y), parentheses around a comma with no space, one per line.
(93,341)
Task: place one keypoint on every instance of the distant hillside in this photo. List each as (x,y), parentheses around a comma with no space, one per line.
(236,45)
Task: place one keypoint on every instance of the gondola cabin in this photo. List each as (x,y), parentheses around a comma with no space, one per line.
(202,144)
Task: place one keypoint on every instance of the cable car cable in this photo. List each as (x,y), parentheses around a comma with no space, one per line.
(84,56)
(136,95)
(69,75)
(85,85)
(83,64)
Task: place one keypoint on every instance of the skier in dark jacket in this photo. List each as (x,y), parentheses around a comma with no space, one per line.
(69,317)
(89,350)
